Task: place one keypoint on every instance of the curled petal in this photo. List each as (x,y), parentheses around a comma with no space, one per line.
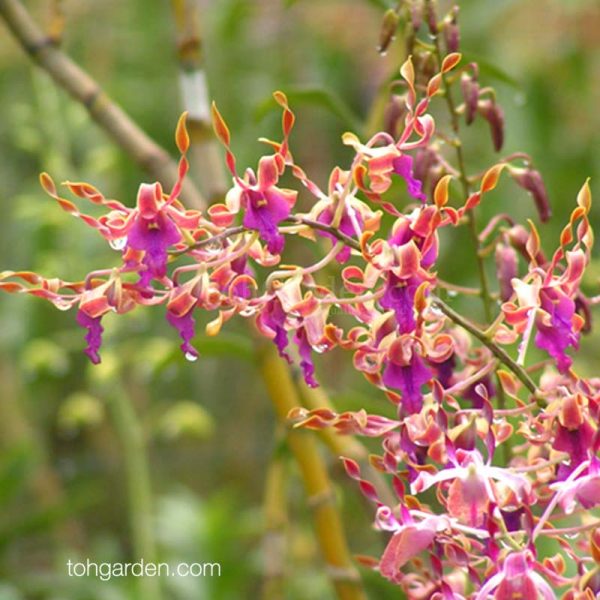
(93,336)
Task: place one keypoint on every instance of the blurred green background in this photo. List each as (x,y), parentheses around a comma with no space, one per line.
(64,465)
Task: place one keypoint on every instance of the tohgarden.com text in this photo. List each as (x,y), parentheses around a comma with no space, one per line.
(105,571)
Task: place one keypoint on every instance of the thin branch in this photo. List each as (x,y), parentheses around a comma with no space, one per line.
(107,114)
(231,231)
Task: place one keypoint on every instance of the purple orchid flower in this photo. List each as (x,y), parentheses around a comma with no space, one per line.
(555,330)
(403,166)
(517,579)
(93,336)
(408,378)
(153,232)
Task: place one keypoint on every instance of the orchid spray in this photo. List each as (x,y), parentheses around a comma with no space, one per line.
(486,455)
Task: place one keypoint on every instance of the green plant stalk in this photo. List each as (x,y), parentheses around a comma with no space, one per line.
(321,498)
(137,474)
(501,354)
(276,521)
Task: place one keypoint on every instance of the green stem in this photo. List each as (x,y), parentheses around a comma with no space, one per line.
(137,474)
(464,180)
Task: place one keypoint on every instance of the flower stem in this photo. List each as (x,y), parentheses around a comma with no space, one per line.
(501,354)
(321,499)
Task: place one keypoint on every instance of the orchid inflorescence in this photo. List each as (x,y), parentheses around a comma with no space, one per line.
(478,483)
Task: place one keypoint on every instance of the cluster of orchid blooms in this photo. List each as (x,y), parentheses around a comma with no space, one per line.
(486,457)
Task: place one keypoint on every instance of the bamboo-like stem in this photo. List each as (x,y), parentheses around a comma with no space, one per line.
(137,474)
(276,520)
(104,111)
(501,354)
(303,444)
(206,153)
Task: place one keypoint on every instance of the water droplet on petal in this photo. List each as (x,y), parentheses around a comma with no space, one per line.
(118,243)
(191,356)
(320,348)
(248,311)
(63,305)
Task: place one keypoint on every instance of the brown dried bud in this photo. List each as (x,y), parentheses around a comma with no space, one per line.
(452,31)
(506,269)
(531,180)
(388,30)
(595,544)
(583,308)
(394,113)
(518,237)
(425,66)
(470,92)
(494,115)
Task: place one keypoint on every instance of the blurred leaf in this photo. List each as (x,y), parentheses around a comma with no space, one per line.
(45,356)
(315,97)
(14,469)
(186,419)
(227,344)
(491,71)
(80,410)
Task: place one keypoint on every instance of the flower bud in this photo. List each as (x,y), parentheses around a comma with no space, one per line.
(531,180)
(452,31)
(387,33)
(506,269)
(494,115)
(394,114)
(470,92)
(431,17)
(416,15)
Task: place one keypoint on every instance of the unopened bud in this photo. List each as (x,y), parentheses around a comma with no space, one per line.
(431,18)
(452,31)
(388,30)
(470,92)
(416,15)
(394,113)
(531,180)
(494,115)
(506,269)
